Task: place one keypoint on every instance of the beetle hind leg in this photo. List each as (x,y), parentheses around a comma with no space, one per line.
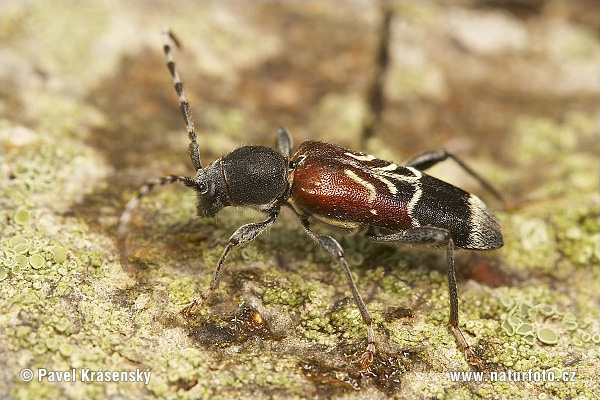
(428,159)
(334,248)
(438,236)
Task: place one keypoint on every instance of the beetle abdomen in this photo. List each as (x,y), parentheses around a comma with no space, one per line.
(471,223)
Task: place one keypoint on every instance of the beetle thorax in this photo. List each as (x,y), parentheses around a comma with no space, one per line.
(254,176)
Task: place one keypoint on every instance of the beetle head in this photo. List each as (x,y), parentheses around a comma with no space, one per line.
(209,186)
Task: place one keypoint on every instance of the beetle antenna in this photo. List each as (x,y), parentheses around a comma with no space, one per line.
(168,39)
(123,230)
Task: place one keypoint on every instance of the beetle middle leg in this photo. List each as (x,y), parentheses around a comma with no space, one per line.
(438,236)
(243,234)
(334,248)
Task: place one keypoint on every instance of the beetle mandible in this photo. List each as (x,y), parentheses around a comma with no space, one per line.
(339,188)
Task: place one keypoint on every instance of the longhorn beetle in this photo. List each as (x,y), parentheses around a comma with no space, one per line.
(339,188)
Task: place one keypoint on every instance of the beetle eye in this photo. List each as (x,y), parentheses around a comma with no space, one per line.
(201,188)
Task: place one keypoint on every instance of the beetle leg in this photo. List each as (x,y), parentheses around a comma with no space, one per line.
(243,234)
(334,248)
(284,142)
(432,236)
(428,159)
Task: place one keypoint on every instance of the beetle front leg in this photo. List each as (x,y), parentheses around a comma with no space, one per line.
(431,235)
(334,248)
(243,234)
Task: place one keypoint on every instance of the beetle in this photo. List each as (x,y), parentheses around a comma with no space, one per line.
(342,189)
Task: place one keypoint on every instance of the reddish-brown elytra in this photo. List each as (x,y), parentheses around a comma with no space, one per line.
(354,191)
(347,190)
(331,186)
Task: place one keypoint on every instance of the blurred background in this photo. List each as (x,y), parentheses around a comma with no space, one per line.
(397,79)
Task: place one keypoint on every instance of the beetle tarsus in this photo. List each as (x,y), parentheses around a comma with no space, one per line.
(367,357)
(189,309)
(467,350)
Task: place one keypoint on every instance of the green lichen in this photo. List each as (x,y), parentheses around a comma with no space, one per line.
(290,297)
(22,216)
(59,253)
(21,260)
(570,321)
(524,329)
(36,261)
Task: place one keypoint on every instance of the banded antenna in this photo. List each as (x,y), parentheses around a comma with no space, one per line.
(124,221)
(168,39)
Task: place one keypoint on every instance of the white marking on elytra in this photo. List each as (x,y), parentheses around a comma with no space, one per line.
(391,187)
(382,173)
(418,174)
(387,171)
(369,186)
(372,211)
(413,203)
(481,223)
(361,157)
(389,167)
(350,225)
